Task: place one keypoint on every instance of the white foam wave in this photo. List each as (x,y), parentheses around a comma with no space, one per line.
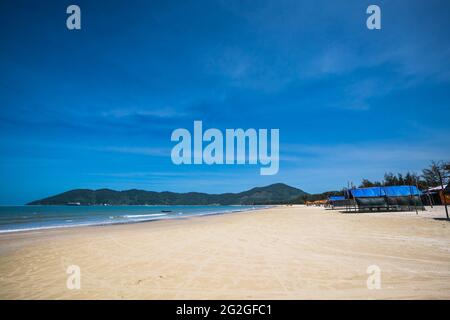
(144,215)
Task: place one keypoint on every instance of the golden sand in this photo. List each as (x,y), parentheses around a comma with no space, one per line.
(278,253)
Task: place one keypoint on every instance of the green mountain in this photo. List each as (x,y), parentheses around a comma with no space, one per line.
(272,194)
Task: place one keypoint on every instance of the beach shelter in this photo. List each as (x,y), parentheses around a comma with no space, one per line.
(437,195)
(403,196)
(338,201)
(387,197)
(336,198)
(369,198)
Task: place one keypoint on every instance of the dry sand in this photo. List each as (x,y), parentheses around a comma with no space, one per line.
(278,253)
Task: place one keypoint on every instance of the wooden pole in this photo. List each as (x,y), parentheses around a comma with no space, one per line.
(429,198)
(419,197)
(443,194)
(385,195)
(413,199)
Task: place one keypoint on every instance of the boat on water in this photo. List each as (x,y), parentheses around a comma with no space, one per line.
(73,204)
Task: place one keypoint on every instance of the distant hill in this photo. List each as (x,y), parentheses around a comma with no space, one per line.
(272,194)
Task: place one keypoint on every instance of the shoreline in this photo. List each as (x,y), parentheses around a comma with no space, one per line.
(105,227)
(278,253)
(156,217)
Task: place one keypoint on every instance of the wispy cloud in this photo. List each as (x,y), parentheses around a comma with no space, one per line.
(392,153)
(164,112)
(321,167)
(136,150)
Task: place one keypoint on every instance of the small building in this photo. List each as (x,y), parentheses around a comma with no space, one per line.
(437,195)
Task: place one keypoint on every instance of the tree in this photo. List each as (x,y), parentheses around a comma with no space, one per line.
(446,169)
(365,183)
(391,180)
(434,171)
(447,166)
(413,179)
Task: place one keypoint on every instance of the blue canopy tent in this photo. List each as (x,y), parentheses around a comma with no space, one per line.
(387,198)
(338,201)
(336,198)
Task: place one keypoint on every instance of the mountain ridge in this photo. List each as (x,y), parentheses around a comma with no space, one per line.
(272,194)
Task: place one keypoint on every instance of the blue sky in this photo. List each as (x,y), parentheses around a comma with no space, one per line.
(95,108)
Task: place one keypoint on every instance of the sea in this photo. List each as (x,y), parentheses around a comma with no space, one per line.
(24,218)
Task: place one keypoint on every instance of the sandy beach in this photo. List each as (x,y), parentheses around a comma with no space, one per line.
(279,253)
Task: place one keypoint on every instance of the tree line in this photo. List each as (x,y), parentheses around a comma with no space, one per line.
(428,178)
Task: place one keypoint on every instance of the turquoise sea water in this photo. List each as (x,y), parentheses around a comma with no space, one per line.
(22,218)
